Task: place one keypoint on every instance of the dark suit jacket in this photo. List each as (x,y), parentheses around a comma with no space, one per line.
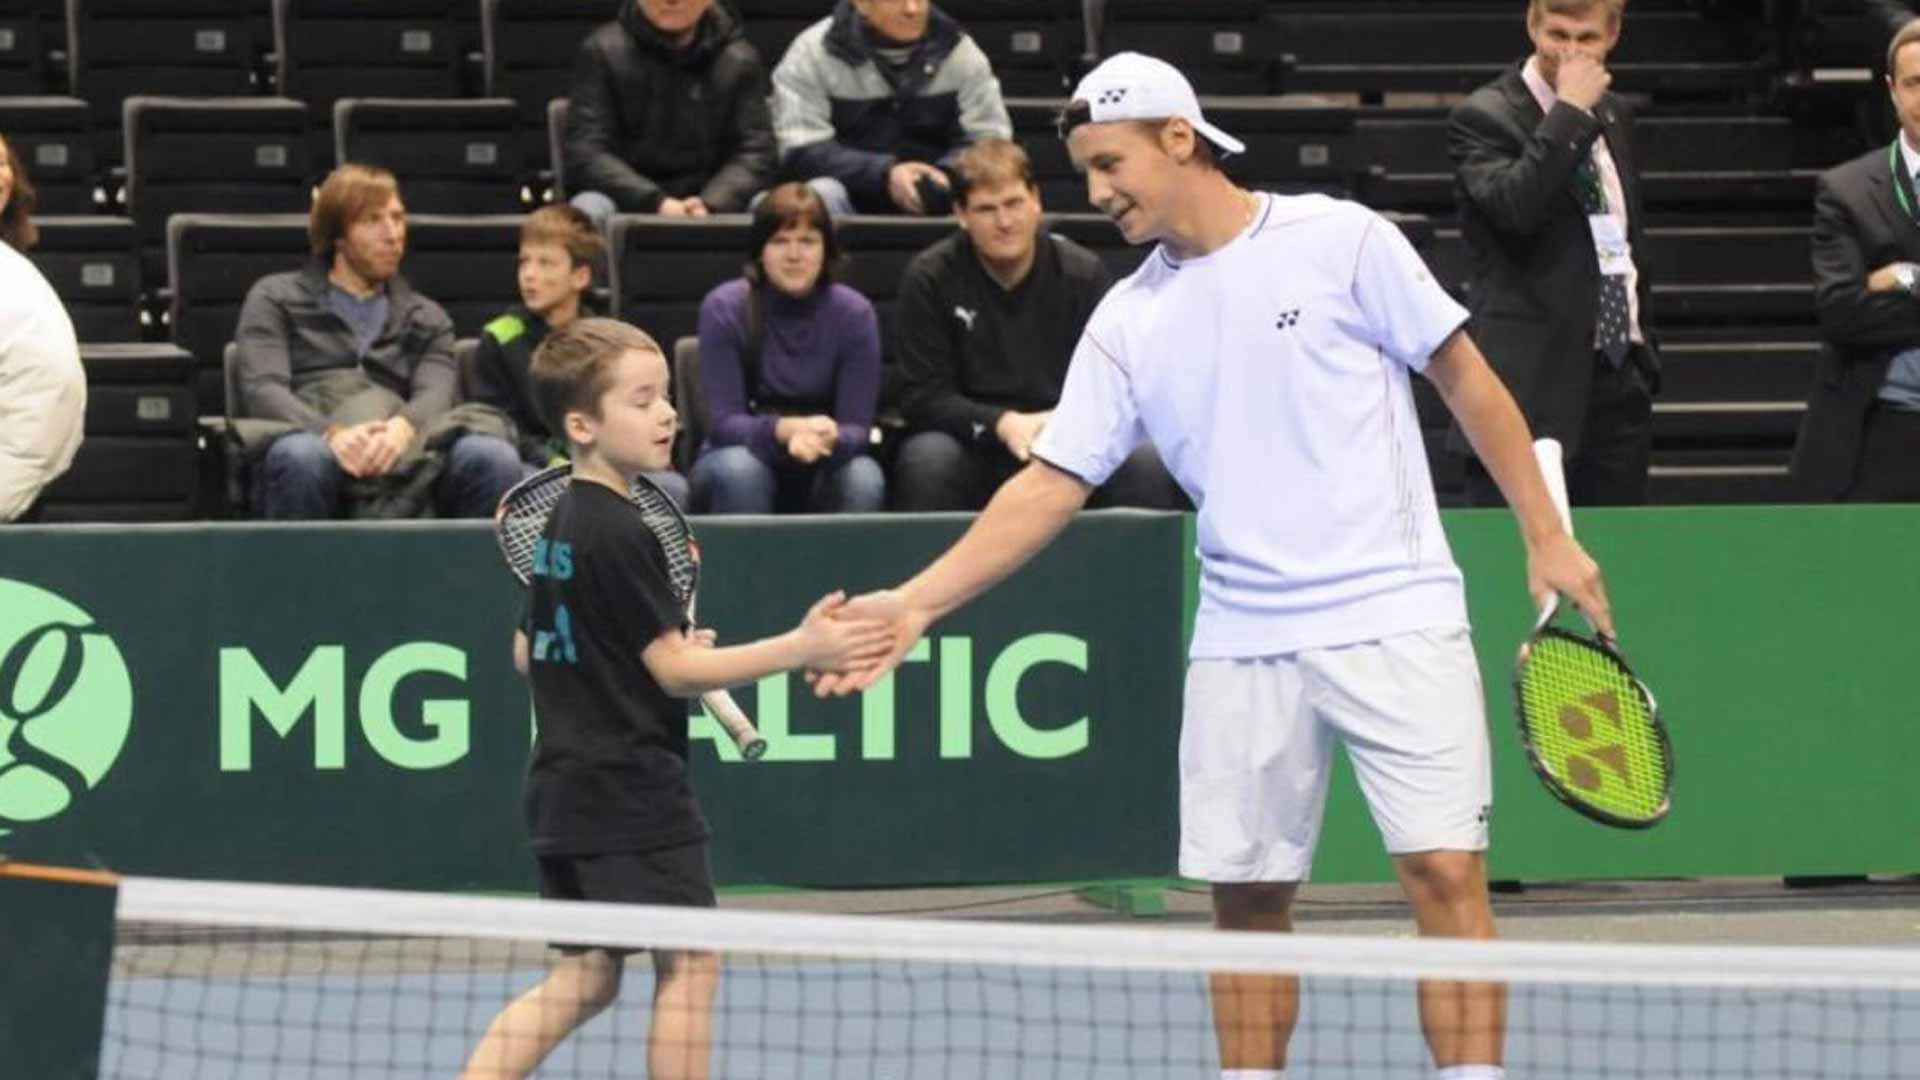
(1858,227)
(1536,279)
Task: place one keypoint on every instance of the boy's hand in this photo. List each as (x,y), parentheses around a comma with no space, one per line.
(905,626)
(829,642)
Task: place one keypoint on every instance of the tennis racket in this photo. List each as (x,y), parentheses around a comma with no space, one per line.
(522,520)
(1590,727)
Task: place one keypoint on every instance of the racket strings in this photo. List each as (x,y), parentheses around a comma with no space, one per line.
(1592,728)
(522,520)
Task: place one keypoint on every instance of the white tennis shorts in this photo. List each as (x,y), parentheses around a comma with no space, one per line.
(1256,750)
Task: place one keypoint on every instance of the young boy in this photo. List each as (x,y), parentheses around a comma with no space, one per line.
(609,808)
(559,247)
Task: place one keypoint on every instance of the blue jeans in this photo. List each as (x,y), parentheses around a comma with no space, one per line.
(595,205)
(730,480)
(300,479)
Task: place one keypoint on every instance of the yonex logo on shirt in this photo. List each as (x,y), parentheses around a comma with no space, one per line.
(1289,319)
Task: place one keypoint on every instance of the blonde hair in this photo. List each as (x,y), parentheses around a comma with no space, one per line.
(348,194)
(1904,37)
(573,367)
(1540,9)
(990,163)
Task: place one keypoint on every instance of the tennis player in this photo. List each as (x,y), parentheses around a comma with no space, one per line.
(1266,348)
(608,649)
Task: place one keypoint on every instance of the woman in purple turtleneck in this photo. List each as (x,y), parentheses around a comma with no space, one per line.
(791,366)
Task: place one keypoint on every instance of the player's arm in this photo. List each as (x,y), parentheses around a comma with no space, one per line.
(686,665)
(1493,424)
(1024,516)
(522,655)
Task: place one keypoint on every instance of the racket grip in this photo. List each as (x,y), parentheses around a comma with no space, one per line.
(1553,470)
(721,706)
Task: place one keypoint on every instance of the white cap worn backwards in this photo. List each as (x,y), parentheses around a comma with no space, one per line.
(1134,86)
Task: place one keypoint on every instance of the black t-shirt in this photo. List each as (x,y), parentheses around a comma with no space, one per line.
(609,769)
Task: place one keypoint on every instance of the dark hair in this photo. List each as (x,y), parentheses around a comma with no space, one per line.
(16,218)
(787,205)
(573,367)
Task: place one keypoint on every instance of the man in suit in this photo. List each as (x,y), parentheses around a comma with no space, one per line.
(1861,437)
(1550,206)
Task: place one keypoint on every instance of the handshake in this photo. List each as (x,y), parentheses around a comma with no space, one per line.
(846,645)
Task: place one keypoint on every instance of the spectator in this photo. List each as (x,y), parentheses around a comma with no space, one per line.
(988,319)
(1550,207)
(790,362)
(872,103)
(559,247)
(668,114)
(360,368)
(1860,440)
(43,388)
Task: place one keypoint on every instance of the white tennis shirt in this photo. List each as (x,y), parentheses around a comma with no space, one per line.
(1272,376)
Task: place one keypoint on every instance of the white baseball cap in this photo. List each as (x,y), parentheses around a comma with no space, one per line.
(1134,86)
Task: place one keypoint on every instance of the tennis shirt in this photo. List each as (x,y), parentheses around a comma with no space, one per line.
(1273,377)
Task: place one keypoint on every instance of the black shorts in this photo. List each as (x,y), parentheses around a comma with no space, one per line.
(677,876)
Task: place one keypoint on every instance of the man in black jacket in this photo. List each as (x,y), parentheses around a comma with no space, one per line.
(987,321)
(668,114)
(1861,437)
(1549,197)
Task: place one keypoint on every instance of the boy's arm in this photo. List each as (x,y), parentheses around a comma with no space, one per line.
(687,664)
(522,658)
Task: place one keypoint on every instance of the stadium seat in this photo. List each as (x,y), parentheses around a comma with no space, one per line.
(466,263)
(1289,148)
(212,260)
(178,48)
(459,156)
(690,401)
(31,33)
(1223,46)
(53,138)
(229,155)
(1032,44)
(773,24)
(332,49)
(94,264)
(139,461)
(528,48)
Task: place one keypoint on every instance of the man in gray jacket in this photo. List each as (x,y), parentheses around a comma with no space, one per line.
(357,363)
(872,103)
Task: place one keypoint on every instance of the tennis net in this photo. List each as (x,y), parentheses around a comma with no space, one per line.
(216,980)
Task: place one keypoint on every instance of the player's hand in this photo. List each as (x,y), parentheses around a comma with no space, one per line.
(1560,565)
(829,642)
(1583,80)
(903,184)
(1018,431)
(905,626)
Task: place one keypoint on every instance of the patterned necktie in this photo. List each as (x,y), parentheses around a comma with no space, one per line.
(1610,324)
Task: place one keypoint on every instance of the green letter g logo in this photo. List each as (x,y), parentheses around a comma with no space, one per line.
(66,704)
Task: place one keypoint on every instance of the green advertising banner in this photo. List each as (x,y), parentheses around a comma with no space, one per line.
(336,704)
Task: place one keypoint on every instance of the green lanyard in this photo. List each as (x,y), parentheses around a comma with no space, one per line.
(1899,191)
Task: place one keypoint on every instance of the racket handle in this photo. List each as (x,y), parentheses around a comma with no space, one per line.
(721,706)
(1547,452)
(1552,470)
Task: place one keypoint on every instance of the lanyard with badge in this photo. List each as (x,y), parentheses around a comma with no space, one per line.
(1609,231)
(1900,188)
